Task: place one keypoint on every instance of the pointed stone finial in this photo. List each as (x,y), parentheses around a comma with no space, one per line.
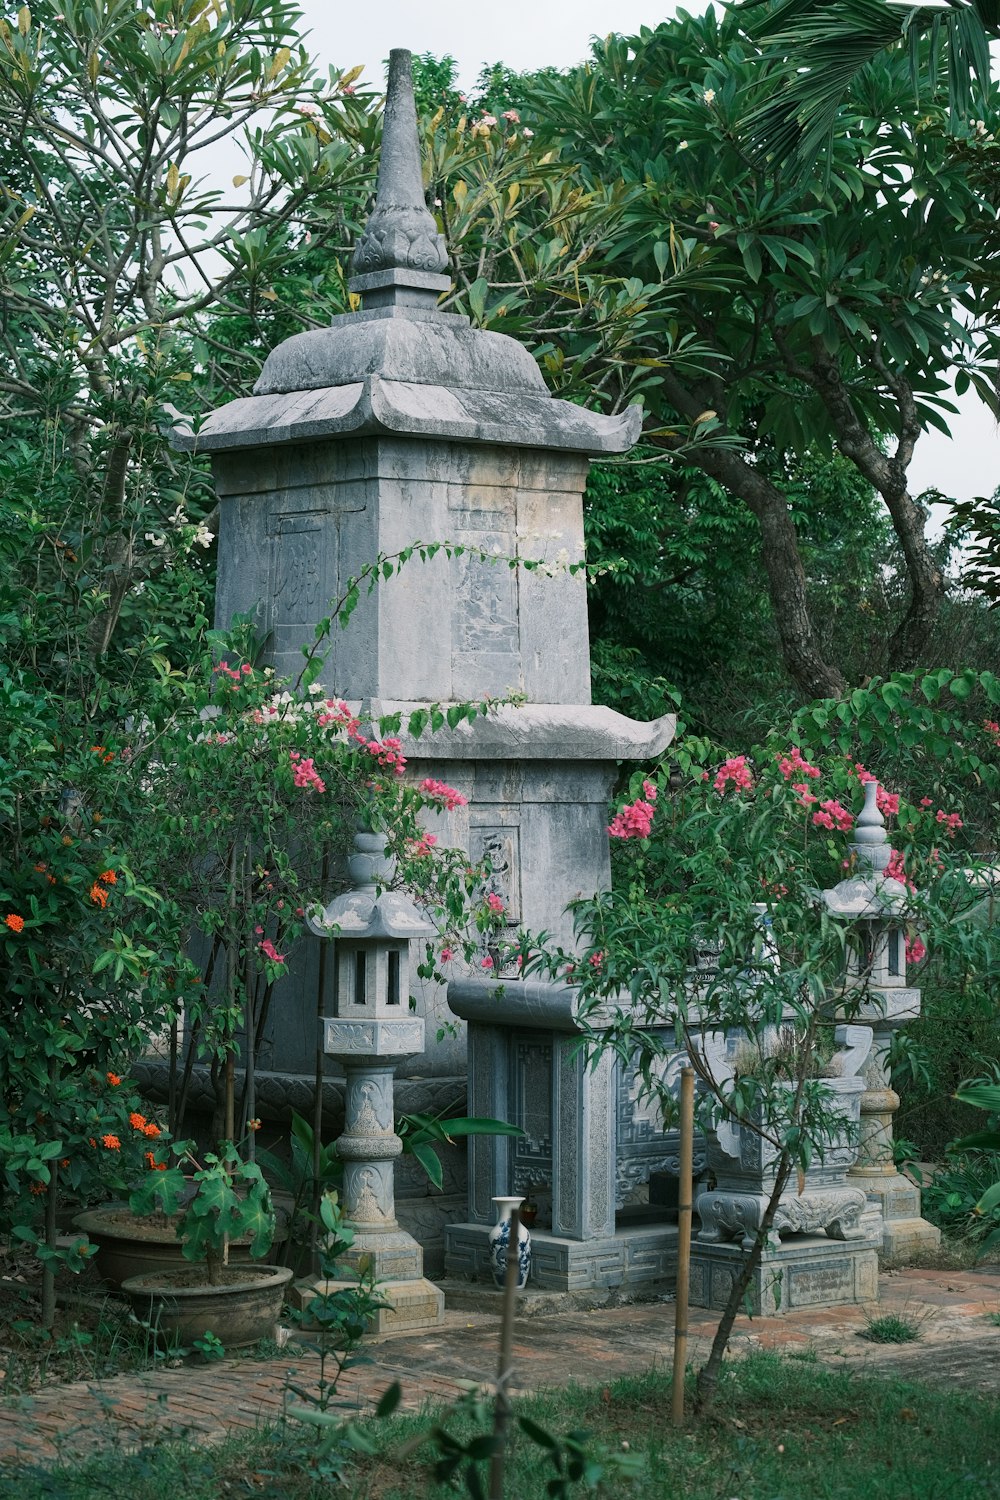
(871,842)
(401,258)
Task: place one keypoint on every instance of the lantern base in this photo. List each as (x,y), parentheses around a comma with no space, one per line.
(409,1304)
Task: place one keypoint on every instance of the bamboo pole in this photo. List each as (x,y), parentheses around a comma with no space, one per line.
(501,1408)
(684,1194)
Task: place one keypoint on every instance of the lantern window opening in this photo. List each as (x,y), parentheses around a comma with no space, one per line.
(392,977)
(894,943)
(360,977)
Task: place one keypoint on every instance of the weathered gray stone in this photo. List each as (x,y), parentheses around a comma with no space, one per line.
(629,1260)
(806,1272)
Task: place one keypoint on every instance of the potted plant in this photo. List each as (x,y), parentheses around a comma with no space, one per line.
(216,1200)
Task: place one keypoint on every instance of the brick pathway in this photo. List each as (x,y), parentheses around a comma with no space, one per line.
(958,1346)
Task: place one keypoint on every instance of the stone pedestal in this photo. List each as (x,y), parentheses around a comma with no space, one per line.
(641,1259)
(893,1213)
(808,1271)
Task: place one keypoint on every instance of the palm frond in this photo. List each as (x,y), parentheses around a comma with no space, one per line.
(817,48)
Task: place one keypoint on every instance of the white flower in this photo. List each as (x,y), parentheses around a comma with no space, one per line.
(311,111)
(154,540)
(487,119)
(315,688)
(529,135)
(683,146)
(709,96)
(203,537)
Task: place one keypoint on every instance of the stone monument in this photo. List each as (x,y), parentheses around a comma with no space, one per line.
(402,422)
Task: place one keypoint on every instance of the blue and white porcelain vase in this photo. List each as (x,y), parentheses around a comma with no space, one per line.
(500,1243)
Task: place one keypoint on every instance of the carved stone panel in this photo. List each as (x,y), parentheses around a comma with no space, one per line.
(531,1098)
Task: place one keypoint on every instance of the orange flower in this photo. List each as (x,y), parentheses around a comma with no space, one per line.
(151,1130)
(114,1079)
(65,1162)
(137,1121)
(109,877)
(40,869)
(111,1143)
(99,895)
(38,1188)
(14,922)
(97,749)
(93,1142)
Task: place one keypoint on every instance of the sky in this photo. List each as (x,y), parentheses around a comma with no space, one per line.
(535,33)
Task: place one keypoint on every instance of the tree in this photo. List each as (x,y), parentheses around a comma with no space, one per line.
(115,252)
(823,46)
(832,306)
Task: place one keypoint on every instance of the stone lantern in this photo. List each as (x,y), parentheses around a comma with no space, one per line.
(370,1033)
(875,993)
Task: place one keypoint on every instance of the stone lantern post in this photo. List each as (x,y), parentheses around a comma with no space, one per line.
(875,993)
(370,1033)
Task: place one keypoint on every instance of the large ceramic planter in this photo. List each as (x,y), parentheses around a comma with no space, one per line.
(240,1311)
(128,1245)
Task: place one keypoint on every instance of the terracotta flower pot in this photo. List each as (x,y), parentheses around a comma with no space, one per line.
(181,1306)
(128,1245)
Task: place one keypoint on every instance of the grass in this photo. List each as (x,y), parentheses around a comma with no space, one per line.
(891,1329)
(780,1431)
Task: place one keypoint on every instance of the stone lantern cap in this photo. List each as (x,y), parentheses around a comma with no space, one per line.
(868,894)
(401,365)
(369,910)
(363,914)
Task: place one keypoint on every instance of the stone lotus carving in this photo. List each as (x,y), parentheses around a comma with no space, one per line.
(403,237)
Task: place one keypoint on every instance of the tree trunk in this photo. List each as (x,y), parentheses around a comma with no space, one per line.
(913,634)
(708,1375)
(786,578)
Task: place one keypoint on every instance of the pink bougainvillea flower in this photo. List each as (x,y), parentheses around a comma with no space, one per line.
(439,791)
(269,951)
(649,791)
(447,954)
(634,821)
(951,821)
(793,764)
(734,770)
(887,802)
(895,870)
(494,903)
(832,815)
(486,963)
(916,951)
(304,773)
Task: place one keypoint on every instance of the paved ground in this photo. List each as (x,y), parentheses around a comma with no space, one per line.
(959,1346)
